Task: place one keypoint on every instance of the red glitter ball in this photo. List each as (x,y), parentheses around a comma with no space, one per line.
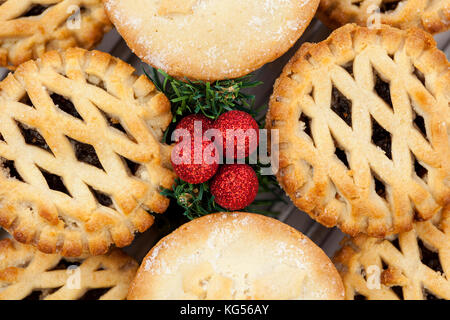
(194,169)
(235,186)
(188,122)
(237,120)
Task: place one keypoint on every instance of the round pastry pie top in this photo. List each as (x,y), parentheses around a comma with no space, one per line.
(27,274)
(363,120)
(30,28)
(236,256)
(210,39)
(81,156)
(432,16)
(413,266)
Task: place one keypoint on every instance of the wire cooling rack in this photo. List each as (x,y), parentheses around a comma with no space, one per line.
(327,239)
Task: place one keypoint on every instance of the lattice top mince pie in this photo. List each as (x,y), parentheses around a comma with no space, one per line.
(432,16)
(29,28)
(80,151)
(363,120)
(414,265)
(27,274)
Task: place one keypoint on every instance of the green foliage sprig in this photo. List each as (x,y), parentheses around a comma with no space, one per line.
(195,199)
(210,99)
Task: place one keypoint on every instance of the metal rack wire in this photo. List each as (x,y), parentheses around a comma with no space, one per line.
(327,239)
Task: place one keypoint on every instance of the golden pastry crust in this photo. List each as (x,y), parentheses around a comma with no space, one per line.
(413,266)
(210,40)
(431,15)
(81,153)
(236,256)
(363,120)
(28,28)
(26,273)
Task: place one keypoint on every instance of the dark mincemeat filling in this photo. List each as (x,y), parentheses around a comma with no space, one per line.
(381,138)
(102,198)
(341,106)
(132,166)
(396,244)
(55,182)
(342,156)
(430,258)
(398,290)
(358,296)
(430,296)
(64,264)
(419,169)
(387,6)
(115,123)
(33,137)
(94,294)
(340,153)
(91,294)
(86,153)
(419,121)
(27,101)
(65,105)
(35,10)
(349,68)
(419,76)
(9,164)
(383,90)
(380,188)
(307,121)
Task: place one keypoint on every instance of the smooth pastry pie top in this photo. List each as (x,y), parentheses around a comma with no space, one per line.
(414,265)
(236,256)
(28,28)
(80,152)
(363,120)
(27,274)
(210,39)
(431,15)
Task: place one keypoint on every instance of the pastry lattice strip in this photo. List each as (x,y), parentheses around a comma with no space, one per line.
(26,273)
(96,84)
(28,28)
(433,16)
(414,266)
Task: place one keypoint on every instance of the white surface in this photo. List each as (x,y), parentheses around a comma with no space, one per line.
(327,239)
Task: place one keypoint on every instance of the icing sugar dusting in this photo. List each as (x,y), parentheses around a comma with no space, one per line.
(235,247)
(210,39)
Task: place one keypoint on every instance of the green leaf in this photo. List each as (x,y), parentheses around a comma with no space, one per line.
(210,99)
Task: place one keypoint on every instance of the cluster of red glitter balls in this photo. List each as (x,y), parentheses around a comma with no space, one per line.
(196,159)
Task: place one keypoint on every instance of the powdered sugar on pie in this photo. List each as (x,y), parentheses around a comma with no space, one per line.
(236,256)
(210,39)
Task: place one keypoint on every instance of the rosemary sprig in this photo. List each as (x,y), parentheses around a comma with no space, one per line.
(209,98)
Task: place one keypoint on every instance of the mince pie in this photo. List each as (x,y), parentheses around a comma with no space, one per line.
(210,40)
(82,163)
(432,16)
(364,121)
(415,265)
(236,256)
(27,274)
(30,28)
